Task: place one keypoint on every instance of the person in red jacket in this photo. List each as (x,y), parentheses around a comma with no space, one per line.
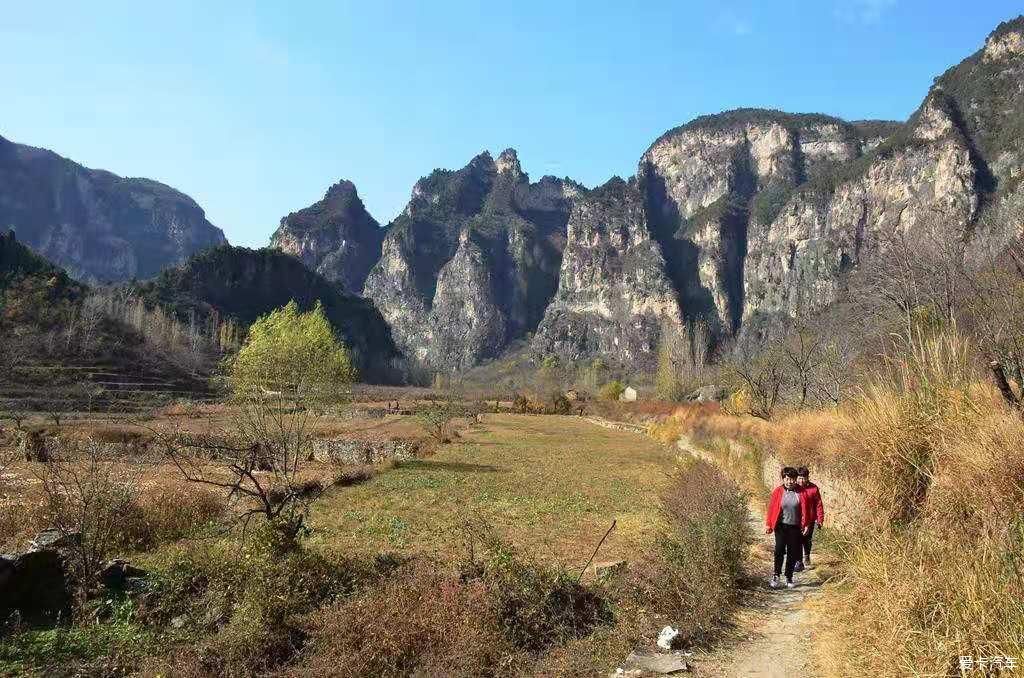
(815,509)
(787,517)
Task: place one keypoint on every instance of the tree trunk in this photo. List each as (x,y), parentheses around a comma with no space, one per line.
(1004,386)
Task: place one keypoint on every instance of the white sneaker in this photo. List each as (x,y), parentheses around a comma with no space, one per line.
(790,585)
(774,582)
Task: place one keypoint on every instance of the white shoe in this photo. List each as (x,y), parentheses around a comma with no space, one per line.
(774,582)
(790,585)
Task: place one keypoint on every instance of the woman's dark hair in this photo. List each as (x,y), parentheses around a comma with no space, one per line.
(803,471)
(789,472)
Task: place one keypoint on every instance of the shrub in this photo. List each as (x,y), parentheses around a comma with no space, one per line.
(354,475)
(438,419)
(708,514)
(521,404)
(612,390)
(170,512)
(536,606)
(251,598)
(560,404)
(491,616)
(421,621)
(89,501)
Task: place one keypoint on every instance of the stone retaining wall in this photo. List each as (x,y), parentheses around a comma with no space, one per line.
(328,450)
(348,451)
(617,425)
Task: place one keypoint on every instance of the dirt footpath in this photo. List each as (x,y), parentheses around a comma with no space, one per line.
(773,630)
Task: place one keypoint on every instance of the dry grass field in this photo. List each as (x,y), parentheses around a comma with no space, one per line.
(488,533)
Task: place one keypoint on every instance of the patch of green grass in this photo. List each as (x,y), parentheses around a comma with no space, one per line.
(552,484)
(117,642)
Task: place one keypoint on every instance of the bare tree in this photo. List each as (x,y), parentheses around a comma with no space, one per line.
(87,497)
(913,279)
(259,472)
(15,351)
(801,348)
(763,375)
(834,369)
(438,418)
(90,319)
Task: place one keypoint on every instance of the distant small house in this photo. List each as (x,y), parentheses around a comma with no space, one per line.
(628,394)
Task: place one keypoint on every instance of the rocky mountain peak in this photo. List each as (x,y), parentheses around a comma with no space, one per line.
(335,236)
(1006,41)
(341,192)
(738,219)
(508,163)
(472,262)
(483,162)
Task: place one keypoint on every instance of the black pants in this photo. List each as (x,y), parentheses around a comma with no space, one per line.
(806,539)
(788,546)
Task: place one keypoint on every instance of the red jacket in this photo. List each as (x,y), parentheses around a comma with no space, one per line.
(815,508)
(774,513)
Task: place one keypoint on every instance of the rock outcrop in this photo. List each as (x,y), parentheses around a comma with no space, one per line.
(614,295)
(472,261)
(706,182)
(336,237)
(922,179)
(98,226)
(952,172)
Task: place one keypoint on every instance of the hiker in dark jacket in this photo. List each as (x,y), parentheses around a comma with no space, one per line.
(815,509)
(787,517)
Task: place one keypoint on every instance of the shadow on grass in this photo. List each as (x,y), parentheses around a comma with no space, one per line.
(455,467)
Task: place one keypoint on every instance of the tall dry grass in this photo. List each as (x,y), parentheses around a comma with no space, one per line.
(932,549)
(939,462)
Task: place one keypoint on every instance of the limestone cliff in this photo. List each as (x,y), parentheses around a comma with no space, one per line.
(614,295)
(741,218)
(952,171)
(704,184)
(335,237)
(97,225)
(472,261)
(923,178)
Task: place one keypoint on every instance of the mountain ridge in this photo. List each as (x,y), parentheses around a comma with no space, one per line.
(100,226)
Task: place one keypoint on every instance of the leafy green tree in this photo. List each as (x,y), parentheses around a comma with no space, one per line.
(293,357)
(289,371)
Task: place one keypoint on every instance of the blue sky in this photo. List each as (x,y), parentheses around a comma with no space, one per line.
(255,108)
